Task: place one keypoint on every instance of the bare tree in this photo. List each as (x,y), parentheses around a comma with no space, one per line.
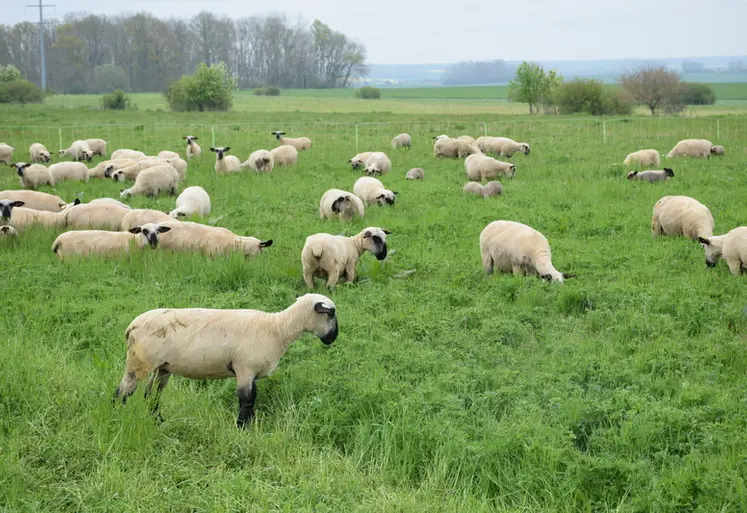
(653,87)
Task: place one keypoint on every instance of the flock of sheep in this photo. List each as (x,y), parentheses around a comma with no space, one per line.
(248,344)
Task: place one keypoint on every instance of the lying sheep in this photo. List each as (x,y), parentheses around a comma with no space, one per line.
(651,175)
(192,201)
(482,167)
(193,149)
(284,155)
(79,150)
(334,256)
(342,204)
(35,200)
(39,153)
(486,191)
(681,215)
(501,146)
(696,148)
(105,168)
(360,159)
(210,240)
(402,141)
(22,218)
(454,148)
(201,343)
(69,171)
(33,175)
(732,246)
(153,181)
(166,154)
(415,173)
(643,158)
(371,190)
(225,163)
(518,248)
(95,216)
(6,209)
(103,243)
(97,146)
(109,201)
(378,164)
(6,153)
(300,143)
(127,154)
(260,161)
(718,150)
(132,171)
(440,137)
(142,216)
(8,231)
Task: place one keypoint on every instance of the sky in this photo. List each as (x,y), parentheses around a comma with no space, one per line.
(444,31)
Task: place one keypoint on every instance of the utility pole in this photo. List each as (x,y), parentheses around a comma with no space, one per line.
(41,43)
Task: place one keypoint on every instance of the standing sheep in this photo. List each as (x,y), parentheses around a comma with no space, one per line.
(284,155)
(192,201)
(486,191)
(371,190)
(201,343)
(79,150)
(33,175)
(643,158)
(95,216)
(415,173)
(140,217)
(651,175)
(73,171)
(718,150)
(210,240)
(193,149)
(482,167)
(454,148)
(732,246)
(39,153)
(104,243)
(167,154)
(97,146)
(6,153)
(260,161)
(225,163)
(338,203)
(154,180)
(35,200)
(378,164)
(360,159)
(300,143)
(695,148)
(502,146)
(681,215)
(402,141)
(127,154)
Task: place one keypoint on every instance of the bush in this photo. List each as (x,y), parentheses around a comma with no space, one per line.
(10,73)
(617,103)
(20,91)
(368,93)
(116,100)
(697,94)
(591,97)
(210,88)
(176,95)
(267,91)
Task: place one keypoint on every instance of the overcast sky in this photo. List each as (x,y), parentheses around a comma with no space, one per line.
(438,31)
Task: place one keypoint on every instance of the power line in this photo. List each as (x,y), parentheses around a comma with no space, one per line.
(42,51)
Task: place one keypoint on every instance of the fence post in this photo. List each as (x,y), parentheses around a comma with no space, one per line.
(718,129)
(59,132)
(212,129)
(604,132)
(356,138)
(485,129)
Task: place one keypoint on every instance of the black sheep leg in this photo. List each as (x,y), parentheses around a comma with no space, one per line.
(247,396)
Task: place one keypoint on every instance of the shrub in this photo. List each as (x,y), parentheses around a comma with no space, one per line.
(617,103)
(176,95)
(697,94)
(116,100)
(368,93)
(591,97)
(210,88)
(266,91)
(10,73)
(20,91)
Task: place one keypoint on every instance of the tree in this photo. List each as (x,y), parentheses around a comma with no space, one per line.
(210,88)
(532,85)
(653,87)
(9,73)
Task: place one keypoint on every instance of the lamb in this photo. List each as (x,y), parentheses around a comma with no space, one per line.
(74,171)
(502,146)
(104,243)
(6,153)
(732,246)
(22,218)
(378,164)
(651,175)
(140,217)
(681,215)
(210,240)
(454,148)
(33,175)
(127,154)
(481,167)
(342,204)
(8,231)
(95,216)
(192,201)
(300,143)
(35,200)
(105,168)
(402,141)
(518,248)
(193,149)
(166,154)
(152,181)
(334,256)
(284,155)
(260,161)
(79,150)
(202,343)
(97,146)
(6,209)
(718,150)
(696,148)
(643,158)
(371,190)
(39,153)
(225,163)
(359,159)
(415,173)
(486,191)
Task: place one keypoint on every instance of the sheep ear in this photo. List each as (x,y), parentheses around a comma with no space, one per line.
(18,203)
(77,201)
(705,241)
(163,229)
(265,244)
(395,192)
(195,138)
(226,149)
(212,149)
(380,196)
(367,234)
(568,276)
(321,309)
(135,230)
(184,137)
(387,232)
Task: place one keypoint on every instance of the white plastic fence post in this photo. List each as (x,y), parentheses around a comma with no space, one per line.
(604,132)
(356,138)
(59,133)
(718,129)
(212,129)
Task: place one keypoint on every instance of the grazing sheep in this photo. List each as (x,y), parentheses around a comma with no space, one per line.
(467,138)
(6,153)
(180,165)
(359,159)
(79,150)
(486,191)
(415,173)
(225,163)
(732,246)
(300,143)
(72,171)
(22,218)
(342,204)
(192,201)
(127,154)
(132,171)
(284,155)
(260,161)
(681,215)
(718,150)
(454,148)
(193,149)
(210,240)
(104,243)
(643,158)
(35,200)
(502,146)
(96,216)
(140,217)
(154,180)
(97,146)
(334,256)
(378,164)
(651,175)
(201,343)
(109,201)
(8,231)
(518,248)
(33,175)
(6,209)
(39,153)
(482,167)
(440,137)
(696,148)
(402,141)
(166,154)
(371,190)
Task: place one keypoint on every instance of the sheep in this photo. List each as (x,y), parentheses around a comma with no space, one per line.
(402,141)
(696,148)
(260,161)
(342,204)
(22,218)
(210,240)
(300,143)
(152,181)
(643,158)
(334,256)
(105,168)
(440,137)
(486,191)
(8,231)
(39,153)
(132,171)
(35,200)
(105,243)
(225,163)
(96,216)
(415,173)
(518,248)
(109,201)
(6,153)
(201,343)
(371,190)
(193,149)
(718,150)
(140,217)
(359,159)
(33,175)
(651,175)
(732,246)
(502,146)
(97,146)
(681,215)
(6,209)
(79,150)
(481,167)
(192,201)
(378,164)
(284,155)
(454,148)
(127,154)
(467,138)
(166,154)
(74,171)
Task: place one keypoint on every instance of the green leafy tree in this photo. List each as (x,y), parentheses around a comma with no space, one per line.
(210,88)
(533,86)
(9,73)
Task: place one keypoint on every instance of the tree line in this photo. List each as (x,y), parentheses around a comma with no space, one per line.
(88,53)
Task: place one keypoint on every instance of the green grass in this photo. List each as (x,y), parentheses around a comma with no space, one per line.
(620,390)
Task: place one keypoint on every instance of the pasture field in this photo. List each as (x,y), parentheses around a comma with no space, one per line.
(623,389)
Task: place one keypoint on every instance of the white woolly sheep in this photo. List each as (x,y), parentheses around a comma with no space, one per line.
(468,139)
(518,248)
(69,171)
(104,243)
(731,246)
(6,209)
(225,163)
(142,216)
(440,137)
(95,216)
(371,190)
(360,159)
(8,231)
(502,146)
(486,191)
(342,204)
(6,153)
(35,200)
(132,171)
(97,146)
(105,168)
(681,215)
(481,167)
(109,201)
(167,154)
(193,149)
(153,181)
(79,150)
(718,150)
(210,240)
(33,175)
(651,175)
(284,155)
(415,173)
(643,158)
(260,161)
(300,143)
(454,148)
(378,164)
(127,154)
(334,256)
(696,148)
(22,218)
(192,201)
(201,343)
(39,153)
(402,141)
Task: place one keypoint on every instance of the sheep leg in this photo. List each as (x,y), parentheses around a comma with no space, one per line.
(308,277)
(160,378)
(247,395)
(487,263)
(735,267)
(517,270)
(655,226)
(333,278)
(126,387)
(350,273)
